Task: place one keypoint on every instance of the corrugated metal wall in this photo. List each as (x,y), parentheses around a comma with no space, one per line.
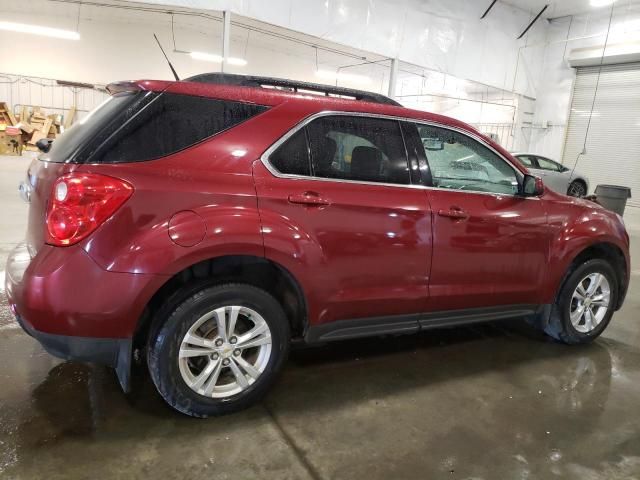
(613,141)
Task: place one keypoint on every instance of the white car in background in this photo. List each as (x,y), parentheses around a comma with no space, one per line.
(555,175)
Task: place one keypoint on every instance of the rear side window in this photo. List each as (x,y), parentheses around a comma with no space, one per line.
(171,123)
(133,127)
(292,157)
(358,148)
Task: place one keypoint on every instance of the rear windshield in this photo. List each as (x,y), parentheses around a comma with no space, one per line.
(67,147)
(134,127)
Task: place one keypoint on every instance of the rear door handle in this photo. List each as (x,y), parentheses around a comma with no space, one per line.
(308,198)
(454,213)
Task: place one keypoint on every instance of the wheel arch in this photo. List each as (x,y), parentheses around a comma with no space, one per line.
(252,270)
(604,250)
(581,180)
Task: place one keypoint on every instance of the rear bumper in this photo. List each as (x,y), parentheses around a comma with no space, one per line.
(112,352)
(62,291)
(76,309)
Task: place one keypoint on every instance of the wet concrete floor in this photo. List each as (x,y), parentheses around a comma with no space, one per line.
(497,401)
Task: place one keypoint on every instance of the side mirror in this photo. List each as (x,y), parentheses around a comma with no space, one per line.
(532,186)
(44,144)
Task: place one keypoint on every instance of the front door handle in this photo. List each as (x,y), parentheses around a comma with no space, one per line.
(308,198)
(454,213)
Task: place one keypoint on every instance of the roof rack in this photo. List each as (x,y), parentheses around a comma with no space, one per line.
(291,85)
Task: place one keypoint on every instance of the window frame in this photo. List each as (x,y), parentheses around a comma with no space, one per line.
(424,183)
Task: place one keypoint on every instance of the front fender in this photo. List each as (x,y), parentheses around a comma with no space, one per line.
(577,226)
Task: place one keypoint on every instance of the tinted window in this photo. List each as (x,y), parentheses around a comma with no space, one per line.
(171,123)
(358,148)
(67,146)
(292,157)
(459,162)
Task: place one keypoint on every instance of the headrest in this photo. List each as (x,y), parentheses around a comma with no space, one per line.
(366,162)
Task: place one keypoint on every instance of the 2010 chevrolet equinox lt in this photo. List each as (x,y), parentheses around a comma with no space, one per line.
(207,223)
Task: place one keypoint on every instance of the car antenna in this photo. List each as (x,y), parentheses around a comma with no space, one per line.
(173,70)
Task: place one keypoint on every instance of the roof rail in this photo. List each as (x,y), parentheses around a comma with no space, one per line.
(292,85)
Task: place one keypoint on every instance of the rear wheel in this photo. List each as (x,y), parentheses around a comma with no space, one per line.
(585,303)
(219,350)
(577,188)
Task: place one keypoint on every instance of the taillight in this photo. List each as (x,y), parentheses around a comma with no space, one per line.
(80,203)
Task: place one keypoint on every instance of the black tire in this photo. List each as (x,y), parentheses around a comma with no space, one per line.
(559,325)
(164,345)
(577,188)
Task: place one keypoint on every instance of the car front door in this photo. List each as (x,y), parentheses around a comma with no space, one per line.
(339,211)
(490,244)
(553,176)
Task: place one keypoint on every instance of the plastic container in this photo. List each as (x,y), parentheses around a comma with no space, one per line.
(613,197)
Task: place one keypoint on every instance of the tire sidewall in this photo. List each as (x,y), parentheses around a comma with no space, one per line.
(164,348)
(564,299)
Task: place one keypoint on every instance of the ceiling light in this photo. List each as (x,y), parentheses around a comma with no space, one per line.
(601,3)
(210,57)
(347,77)
(38,30)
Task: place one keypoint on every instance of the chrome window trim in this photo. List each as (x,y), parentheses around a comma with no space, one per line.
(264,158)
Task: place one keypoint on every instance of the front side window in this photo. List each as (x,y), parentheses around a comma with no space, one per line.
(527,161)
(358,148)
(459,162)
(548,165)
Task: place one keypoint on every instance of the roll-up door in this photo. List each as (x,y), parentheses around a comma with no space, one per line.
(613,143)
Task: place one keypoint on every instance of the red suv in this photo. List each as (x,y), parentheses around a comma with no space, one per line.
(210,222)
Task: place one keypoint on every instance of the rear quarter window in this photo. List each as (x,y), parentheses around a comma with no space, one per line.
(134,127)
(171,123)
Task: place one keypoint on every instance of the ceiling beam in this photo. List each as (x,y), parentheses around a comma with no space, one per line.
(488,9)
(533,21)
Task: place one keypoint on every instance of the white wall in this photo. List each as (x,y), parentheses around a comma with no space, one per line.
(449,40)
(556,76)
(445,35)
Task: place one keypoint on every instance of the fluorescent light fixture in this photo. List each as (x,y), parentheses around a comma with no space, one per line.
(601,3)
(210,57)
(347,77)
(38,30)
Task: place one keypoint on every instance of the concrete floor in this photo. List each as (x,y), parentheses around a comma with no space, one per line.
(490,402)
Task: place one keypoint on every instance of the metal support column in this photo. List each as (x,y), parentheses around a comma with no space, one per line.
(226,32)
(393,77)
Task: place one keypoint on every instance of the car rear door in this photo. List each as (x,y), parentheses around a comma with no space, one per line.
(490,245)
(340,212)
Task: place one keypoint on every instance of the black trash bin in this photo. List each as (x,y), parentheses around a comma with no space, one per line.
(613,197)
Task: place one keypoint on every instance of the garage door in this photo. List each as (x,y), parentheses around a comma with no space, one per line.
(613,144)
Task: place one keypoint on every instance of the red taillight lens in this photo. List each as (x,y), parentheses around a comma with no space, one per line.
(80,203)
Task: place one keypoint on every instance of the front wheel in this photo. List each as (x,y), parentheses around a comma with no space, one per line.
(219,350)
(585,303)
(577,188)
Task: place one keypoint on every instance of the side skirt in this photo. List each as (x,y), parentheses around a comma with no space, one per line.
(407,324)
